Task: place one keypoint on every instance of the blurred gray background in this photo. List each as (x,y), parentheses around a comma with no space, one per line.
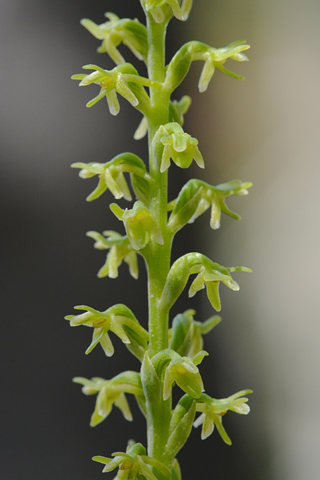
(265,130)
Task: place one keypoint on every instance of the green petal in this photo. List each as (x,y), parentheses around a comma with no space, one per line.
(123,406)
(132,262)
(206,75)
(113,102)
(97,335)
(213,295)
(126,92)
(116,328)
(221,430)
(191,383)
(100,189)
(207,426)
(106,345)
(112,184)
(197,284)
(96,99)
(169,379)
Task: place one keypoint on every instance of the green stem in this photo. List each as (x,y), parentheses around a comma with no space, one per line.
(158,262)
(158,256)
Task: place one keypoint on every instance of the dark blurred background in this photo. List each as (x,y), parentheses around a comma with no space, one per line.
(265,130)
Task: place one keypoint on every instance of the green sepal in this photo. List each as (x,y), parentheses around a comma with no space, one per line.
(138,341)
(213,58)
(161,467)
(115,31)
(182,332)
(171,142)
(139,223)
(184,211)
(141,402)
(141,188)
(176,471)
(120,250)
(177,109)
(180,425)
(111,174)
(197,196)
(186,335)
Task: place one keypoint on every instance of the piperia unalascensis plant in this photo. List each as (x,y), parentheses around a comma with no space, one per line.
(170,356)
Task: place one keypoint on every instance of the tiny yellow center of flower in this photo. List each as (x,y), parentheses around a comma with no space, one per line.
(181,370)
(106,82)
(126,465)
(98,323)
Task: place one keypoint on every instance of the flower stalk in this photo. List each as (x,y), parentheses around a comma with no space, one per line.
(170,357)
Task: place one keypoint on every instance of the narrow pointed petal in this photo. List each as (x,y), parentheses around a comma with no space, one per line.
(113,102)
(107,346)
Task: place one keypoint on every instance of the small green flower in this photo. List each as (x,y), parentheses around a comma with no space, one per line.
(120,250)
(209,275)
(109,177)
(123,80)
(111,174)
(180,370)
(210,278)
(216,57)
(114,32)
(108,395)
(186,333)
(139,223)
(180,12)
(197,196)
(111,392)
(115,319)
(177,145)
(184,372)
(213,410)
(133,465)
